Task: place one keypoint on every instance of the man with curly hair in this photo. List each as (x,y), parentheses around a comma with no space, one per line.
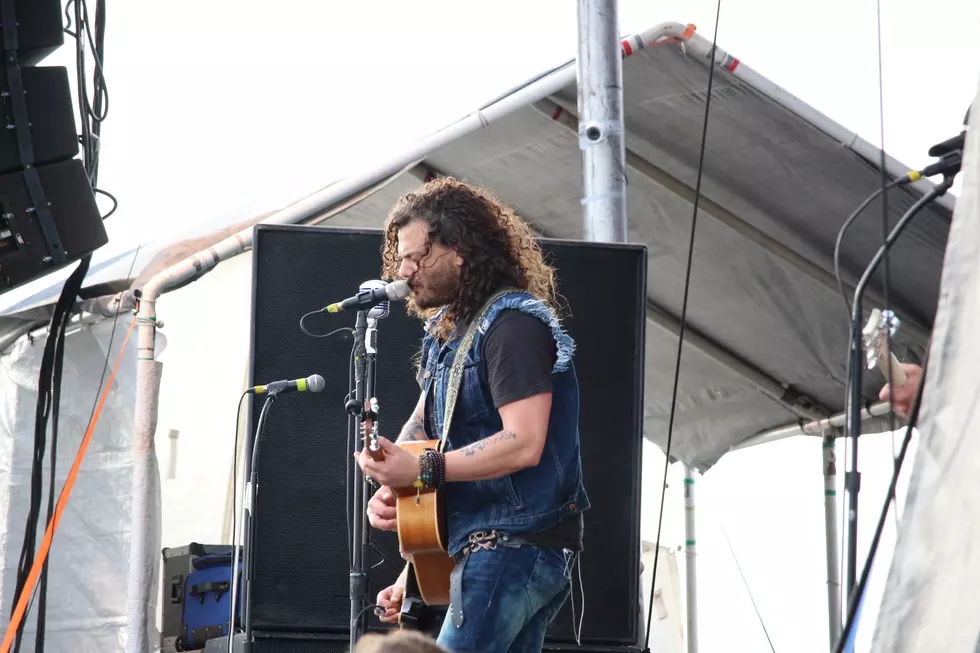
(511,463)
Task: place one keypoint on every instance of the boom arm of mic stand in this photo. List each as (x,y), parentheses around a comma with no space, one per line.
(855,369)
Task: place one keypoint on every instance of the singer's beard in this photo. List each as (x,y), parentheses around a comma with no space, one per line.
(436,291)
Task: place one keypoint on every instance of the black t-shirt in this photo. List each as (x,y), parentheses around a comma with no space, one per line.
(519,353)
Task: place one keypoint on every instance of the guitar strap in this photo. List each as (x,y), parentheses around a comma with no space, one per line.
(456,373)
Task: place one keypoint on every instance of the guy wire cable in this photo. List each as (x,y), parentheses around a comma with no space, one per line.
(683,323)
(885,272)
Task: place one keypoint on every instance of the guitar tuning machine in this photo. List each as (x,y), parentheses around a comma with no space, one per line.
(371,408)
(890,320)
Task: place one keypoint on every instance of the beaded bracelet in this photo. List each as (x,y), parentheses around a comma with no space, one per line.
(432,471)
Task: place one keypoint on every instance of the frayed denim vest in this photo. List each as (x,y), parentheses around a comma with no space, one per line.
(532,499)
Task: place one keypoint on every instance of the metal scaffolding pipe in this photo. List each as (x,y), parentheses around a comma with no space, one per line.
(690,558)
(815,427)
(830,524)
(600,102)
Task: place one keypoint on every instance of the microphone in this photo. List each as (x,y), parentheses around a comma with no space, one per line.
(395,291)
(314,383)
(381,310)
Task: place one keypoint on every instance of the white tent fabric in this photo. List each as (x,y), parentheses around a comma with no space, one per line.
(930,601)
(86,609)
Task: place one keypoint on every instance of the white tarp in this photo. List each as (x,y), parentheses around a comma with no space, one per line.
(931,597)
(86,601)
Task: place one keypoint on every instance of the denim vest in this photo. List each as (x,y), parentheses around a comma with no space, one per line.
(532,499)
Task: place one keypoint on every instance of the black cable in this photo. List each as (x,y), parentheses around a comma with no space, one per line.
(351,440)
(683,323)
(59,359)
(320,335)
(859,587)
(56,328)
(234,510)
(91,112)
(840,239)
(115,202)
(373,606)
(886,272)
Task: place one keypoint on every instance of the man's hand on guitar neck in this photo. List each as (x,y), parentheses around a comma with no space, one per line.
(381,510)
(399,468)
(904,395)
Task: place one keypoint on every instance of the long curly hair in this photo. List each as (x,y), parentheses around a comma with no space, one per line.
(498,248)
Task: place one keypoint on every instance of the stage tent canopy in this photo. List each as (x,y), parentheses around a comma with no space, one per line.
(767,330)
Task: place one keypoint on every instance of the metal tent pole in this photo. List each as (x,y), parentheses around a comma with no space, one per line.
(599,73)
(690,559)
(600,104)
(830,516)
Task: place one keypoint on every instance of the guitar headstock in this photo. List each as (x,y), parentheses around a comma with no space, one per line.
(369,430)
(879,329)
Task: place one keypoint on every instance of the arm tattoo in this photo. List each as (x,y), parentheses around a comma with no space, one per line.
(480,445)
(413,430)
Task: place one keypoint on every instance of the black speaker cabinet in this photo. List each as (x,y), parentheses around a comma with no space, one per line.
(302,533)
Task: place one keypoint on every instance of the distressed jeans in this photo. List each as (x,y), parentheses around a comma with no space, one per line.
(510,596)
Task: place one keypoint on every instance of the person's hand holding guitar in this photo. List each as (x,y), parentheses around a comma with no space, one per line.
(903,395)
(901,379)
(381,510)
(389,603)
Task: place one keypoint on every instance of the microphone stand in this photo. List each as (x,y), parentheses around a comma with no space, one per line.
(852,478)
(247,509)
(364,406)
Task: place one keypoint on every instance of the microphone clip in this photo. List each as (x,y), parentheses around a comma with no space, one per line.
(948,165)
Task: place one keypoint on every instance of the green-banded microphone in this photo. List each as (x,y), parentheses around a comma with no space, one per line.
(369,298)
(314,383)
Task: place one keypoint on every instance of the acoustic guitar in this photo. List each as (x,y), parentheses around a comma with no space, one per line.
(422,531)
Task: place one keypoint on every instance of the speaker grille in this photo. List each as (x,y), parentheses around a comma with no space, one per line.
(301,561)
(302,552)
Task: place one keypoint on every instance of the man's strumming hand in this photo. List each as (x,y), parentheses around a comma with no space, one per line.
(381,510)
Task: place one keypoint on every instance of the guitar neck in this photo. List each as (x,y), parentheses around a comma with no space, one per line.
(892,369)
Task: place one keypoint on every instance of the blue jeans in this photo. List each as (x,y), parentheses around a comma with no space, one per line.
(510,596)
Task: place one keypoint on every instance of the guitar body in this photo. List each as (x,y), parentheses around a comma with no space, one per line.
(415,614)
(422,535)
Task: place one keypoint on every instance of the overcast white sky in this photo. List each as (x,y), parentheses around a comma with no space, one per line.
(221,109)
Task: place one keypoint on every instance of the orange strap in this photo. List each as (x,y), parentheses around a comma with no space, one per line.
(42,554)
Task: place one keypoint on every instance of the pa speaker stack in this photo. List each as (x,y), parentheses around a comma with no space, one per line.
(299,599)
(48,214)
